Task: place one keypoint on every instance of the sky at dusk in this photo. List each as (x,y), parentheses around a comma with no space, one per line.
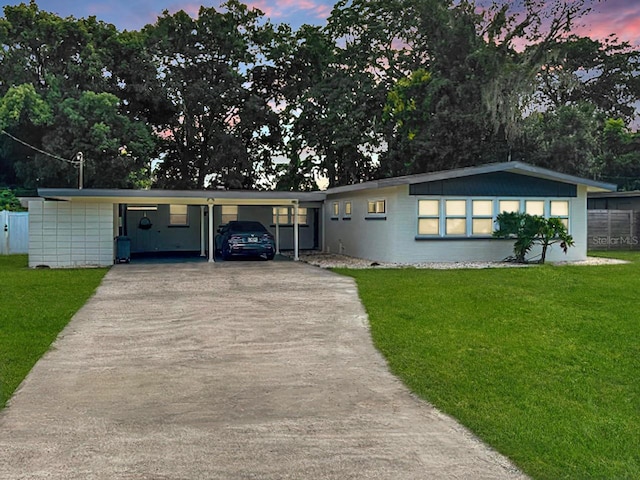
(621,17)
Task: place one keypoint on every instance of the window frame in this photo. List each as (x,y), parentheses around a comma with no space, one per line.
(223,214)
(172,216)
(289,216)
(454,216)
(480,216)
(347,210)
(335,210)
(470,216)
(376,213)
(437,217)
(564,218)
(499,200)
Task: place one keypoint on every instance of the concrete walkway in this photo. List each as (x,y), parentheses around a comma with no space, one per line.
(237,370)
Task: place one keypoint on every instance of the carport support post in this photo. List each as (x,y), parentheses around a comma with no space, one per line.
(296,252)
(277,230)
(211,252)
(203,232)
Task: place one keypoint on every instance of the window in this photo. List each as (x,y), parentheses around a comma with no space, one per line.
(560,209)
(455,217)
(534,207)
(280,215)
(302,216)
(477,216)
(335,212)
(509,206)
(376,207)
(482,217)
(428,217)
(347,209)
(229,213)
(178,215)
(285,215)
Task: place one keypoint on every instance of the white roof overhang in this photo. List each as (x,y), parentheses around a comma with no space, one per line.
(180,197)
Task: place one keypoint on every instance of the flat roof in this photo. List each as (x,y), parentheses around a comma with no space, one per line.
(189,197)
(253,197)
(629,194)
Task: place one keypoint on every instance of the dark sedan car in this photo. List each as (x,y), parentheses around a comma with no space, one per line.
(244,238)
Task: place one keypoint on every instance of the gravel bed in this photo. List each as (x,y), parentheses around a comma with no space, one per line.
(332,260)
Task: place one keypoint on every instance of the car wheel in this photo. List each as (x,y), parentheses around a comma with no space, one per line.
(226,255)
(270,256)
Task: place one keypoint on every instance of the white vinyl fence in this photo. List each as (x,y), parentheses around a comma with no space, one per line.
(14,232)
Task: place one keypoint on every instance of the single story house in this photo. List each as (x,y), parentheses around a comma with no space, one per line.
(443,216)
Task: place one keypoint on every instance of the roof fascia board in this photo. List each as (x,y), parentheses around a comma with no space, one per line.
(192,197)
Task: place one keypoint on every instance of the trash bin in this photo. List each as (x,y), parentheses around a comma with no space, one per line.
(123,249)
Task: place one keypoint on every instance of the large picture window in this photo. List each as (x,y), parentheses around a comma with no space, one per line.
(476,217)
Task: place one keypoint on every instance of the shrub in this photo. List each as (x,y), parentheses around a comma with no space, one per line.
(529,230)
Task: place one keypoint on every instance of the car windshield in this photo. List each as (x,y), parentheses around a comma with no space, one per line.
(246,227)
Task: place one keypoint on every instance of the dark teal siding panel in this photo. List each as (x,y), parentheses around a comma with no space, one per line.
(499,184)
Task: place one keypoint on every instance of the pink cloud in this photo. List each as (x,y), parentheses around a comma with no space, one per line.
(619,18)
(263,6)
(279,9)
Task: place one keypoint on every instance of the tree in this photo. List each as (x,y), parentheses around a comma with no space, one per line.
(566,139)
(115,149)
(530,230)
(59,86)
(9,202)
(331,108)
(221,130)
(602,73)
(620,158)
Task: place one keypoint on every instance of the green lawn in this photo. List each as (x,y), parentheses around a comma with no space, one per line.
(35,305)
(542,363)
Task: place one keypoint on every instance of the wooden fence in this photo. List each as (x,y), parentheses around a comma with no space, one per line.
(613,229)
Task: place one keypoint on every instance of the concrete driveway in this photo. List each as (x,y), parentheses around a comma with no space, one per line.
(237,370)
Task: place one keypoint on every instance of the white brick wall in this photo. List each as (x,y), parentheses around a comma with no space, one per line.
(70,234)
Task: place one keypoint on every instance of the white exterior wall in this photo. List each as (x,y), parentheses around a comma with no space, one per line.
(70,234)
(362,238)
(577,228)
(394,239)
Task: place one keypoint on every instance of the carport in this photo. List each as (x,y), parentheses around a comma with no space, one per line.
(76,226)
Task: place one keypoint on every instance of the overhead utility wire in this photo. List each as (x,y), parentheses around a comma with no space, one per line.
(72,162)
